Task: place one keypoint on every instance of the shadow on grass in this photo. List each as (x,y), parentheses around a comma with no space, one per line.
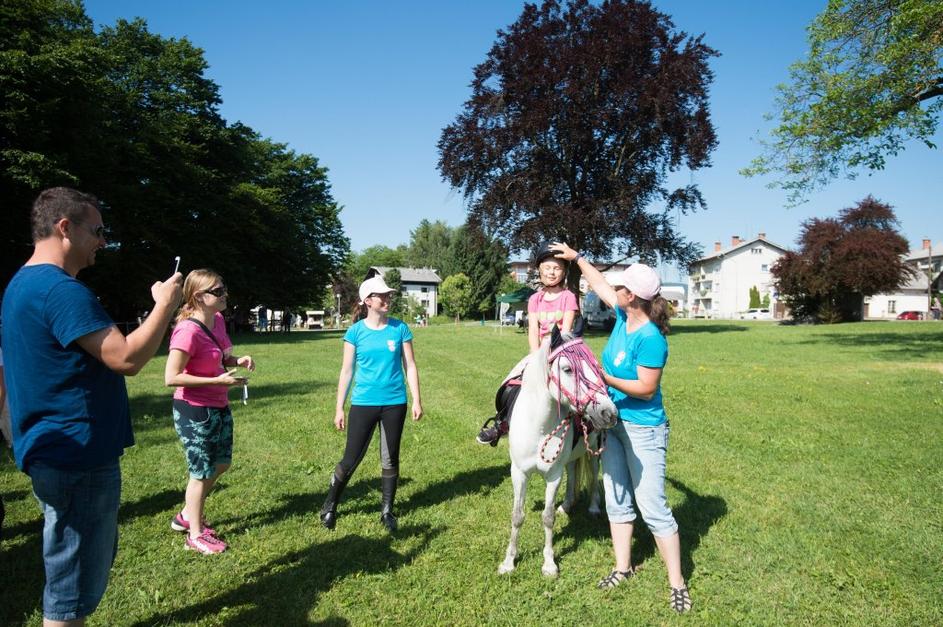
(479,481)
(886,344)
(23,561)
(22,570)
(278,337)
(695,516)
(154,411)
(153,504)
(283,591)
(684,329)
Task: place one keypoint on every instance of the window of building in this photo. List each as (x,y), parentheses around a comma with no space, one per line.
(764,267)
(424,290)
(522,276)
(756,251)
(892,306)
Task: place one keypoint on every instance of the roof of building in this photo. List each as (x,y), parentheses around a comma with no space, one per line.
(412,275)
(936,250)
(723,252)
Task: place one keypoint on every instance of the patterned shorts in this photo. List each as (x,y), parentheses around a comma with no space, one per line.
(206,436)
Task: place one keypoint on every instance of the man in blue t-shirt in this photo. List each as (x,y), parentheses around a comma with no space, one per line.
(64,364)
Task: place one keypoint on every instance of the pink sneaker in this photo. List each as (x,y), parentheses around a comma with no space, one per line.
(179,523)
(205,543)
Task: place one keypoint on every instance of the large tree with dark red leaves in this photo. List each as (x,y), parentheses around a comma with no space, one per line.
(841,260)
(576,118)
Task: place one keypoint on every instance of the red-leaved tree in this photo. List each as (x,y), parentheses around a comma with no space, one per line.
(841,260)
(576,117)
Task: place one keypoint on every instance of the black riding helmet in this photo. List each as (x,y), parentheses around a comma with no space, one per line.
(544,253)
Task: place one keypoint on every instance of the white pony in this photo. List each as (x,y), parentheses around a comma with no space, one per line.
(563,378)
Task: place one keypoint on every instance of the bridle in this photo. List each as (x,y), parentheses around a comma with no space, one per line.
(583,395)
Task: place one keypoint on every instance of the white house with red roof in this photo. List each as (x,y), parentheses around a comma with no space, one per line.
(913,295)
(719,283)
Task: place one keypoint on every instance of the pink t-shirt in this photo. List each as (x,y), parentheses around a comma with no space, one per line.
(550,312)
(206,360)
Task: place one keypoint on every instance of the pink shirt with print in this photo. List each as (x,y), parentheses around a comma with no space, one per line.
(550,312)
(206,360)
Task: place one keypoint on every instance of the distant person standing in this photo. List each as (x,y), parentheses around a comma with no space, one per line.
(65,361)
(381,348)
(263,319)
(935,308)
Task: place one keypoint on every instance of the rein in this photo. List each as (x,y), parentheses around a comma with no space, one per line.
(583,396)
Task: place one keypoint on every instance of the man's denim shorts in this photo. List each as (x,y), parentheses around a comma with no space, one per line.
(80,535)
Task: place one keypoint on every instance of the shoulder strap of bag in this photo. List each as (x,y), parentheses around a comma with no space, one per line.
(208,332)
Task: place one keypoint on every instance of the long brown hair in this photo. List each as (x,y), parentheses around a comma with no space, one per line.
(658,311)
(359,312)
(197,281)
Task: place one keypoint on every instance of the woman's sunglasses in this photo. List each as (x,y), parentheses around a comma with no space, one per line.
(218,292)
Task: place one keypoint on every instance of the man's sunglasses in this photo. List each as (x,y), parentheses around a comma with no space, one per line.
(218,292)
(98,231)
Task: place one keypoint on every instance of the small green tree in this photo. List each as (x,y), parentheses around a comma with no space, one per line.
(456,295)
(765,304)
(394,279)
(412,308)
(754,298)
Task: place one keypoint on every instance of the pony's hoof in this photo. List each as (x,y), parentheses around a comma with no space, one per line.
(595,512)
(550,571)
(504,569)
(563,510)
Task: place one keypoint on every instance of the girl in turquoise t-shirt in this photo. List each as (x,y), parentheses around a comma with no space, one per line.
(634,460)
(381,348)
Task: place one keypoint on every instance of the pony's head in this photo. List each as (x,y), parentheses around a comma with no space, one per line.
(575,379)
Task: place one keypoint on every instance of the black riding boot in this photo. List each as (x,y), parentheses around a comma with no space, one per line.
(389,477)
(334,491)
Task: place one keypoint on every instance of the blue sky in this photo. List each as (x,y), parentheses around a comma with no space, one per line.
(367,87)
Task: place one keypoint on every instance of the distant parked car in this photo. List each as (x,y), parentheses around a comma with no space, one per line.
(910,315)
(757,314)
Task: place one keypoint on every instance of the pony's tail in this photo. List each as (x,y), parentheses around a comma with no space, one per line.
(582,478)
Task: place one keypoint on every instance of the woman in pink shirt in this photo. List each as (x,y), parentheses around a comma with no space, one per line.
(200,353)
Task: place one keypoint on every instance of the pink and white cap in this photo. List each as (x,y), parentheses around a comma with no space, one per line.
(375,285)
(641,280)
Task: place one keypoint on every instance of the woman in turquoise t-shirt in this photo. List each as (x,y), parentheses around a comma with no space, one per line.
(381,347)
(635,457)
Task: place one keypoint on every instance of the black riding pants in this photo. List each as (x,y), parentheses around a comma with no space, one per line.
(361,422)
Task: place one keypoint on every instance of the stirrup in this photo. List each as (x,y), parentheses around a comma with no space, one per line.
(615,578)
(681,599)
(492,419)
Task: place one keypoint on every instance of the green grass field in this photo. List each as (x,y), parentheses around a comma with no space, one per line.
(804,471)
